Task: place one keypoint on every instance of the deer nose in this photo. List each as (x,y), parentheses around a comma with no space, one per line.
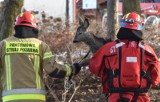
(75,41)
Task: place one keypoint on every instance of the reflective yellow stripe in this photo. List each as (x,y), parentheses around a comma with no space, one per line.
(47,55)
(127,15)
(8,72)
(36,68)
(68,70)
(22,47)
(24,97)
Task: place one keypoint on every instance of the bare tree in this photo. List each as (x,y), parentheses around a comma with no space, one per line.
(112,18)
(112,14)
(11,9)
(131,5)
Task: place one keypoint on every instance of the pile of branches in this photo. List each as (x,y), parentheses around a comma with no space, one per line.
(151,33)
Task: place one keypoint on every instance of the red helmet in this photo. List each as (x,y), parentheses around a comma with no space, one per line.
(26,19)
(132,21)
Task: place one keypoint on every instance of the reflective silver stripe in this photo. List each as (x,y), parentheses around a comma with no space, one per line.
(143,47)
(119,44)
(23,91)
(140,45)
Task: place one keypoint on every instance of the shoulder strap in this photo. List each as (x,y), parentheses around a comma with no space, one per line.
(141,64)
(119,68)
(119,62)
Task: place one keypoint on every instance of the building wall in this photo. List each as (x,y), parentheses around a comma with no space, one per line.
(55,8)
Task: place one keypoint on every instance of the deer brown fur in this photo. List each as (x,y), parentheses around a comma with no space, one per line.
(93,42)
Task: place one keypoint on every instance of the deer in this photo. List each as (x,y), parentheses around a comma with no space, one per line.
(92,41)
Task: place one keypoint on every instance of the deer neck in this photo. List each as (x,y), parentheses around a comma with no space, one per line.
(89,39)
(93,43)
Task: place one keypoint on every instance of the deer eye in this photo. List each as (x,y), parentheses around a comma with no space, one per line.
(80,33)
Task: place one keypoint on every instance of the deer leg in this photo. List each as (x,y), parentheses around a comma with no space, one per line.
(85,62)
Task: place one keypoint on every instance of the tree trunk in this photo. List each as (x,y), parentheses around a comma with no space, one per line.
(11,9)
(130,6)
(112,18)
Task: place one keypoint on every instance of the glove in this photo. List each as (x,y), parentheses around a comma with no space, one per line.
(76,68)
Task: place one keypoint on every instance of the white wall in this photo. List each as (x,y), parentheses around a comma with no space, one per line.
(55,8)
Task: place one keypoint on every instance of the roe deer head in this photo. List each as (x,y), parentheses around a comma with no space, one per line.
(91,40)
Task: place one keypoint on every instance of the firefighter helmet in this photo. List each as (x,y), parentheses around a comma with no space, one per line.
(26,19)
(132,21)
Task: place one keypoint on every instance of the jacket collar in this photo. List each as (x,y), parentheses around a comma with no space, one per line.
(129,34)
(25,32)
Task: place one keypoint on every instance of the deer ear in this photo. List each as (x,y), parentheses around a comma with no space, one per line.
(81,21)
(86,23)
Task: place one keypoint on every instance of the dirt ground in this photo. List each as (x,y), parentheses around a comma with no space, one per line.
(89,90)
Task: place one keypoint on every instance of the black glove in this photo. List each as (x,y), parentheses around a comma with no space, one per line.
(76,68)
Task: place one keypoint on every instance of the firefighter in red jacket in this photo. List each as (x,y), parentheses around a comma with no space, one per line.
(23,58)
(127,67)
